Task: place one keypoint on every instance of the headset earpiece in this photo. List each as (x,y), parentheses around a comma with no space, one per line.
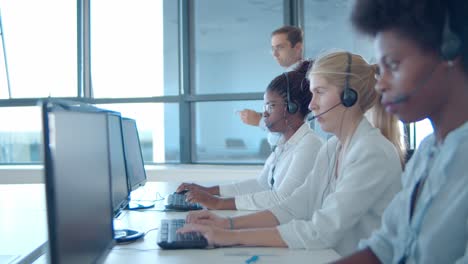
(291,106)
(349,96)
(451,44)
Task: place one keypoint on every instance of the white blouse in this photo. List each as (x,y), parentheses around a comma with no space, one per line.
(285,170)
(331,211)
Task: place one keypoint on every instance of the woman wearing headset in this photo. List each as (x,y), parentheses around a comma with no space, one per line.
(422,50)
(355,176)
(286,99)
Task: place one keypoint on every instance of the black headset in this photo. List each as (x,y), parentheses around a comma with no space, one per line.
(291,106)
(451,44)
(349,96)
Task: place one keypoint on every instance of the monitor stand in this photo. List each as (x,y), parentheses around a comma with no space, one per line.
(127,235)
(136,202)
(139,205)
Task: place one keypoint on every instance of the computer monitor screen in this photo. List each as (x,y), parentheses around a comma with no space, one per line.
(120,190)
(78,192)
(134,158)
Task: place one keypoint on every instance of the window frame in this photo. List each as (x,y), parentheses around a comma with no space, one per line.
(292,14)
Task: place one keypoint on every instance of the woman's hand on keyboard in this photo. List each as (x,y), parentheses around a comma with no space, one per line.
(204,198)
(205,217)
(190,187)
(216,236)
(184,187)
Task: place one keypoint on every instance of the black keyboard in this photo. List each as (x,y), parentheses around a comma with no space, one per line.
(176,201)
(169,239)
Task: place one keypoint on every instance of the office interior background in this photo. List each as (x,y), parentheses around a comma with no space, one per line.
(180,68)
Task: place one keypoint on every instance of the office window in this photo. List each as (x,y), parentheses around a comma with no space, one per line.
(4,85)
(41,48)
(134,48)
(158,128)
(221,137)
(231,45)
(20,135)
(420,130)
(327,27)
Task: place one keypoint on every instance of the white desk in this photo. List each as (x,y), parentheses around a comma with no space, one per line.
(24,233)
(147,251)
(23,222)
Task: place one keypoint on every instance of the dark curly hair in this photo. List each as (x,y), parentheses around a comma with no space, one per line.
(419,20)
(298,87)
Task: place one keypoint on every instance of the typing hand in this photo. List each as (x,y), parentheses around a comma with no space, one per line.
(190,187)
(205,217)
(215,236)
(250,117)
(206,199)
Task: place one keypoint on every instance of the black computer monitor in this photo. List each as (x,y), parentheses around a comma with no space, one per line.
(136,173)
(133,154)
(119,180)
(78,187)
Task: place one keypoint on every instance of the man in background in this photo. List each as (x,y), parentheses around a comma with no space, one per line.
(287,49)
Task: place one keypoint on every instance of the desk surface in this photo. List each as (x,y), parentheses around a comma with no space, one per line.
(26,214)
(146,250)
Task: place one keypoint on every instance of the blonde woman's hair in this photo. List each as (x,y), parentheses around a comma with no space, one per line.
(362,78)
(388,125)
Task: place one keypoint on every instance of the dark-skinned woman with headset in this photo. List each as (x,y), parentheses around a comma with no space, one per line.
(285,109)
(422,51)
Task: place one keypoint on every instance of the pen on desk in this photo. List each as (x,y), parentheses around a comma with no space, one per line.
(247,254)
(252,259)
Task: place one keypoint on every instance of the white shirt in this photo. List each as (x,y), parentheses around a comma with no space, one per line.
(293,66)
(330,212)
(438,230)
(288,165)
